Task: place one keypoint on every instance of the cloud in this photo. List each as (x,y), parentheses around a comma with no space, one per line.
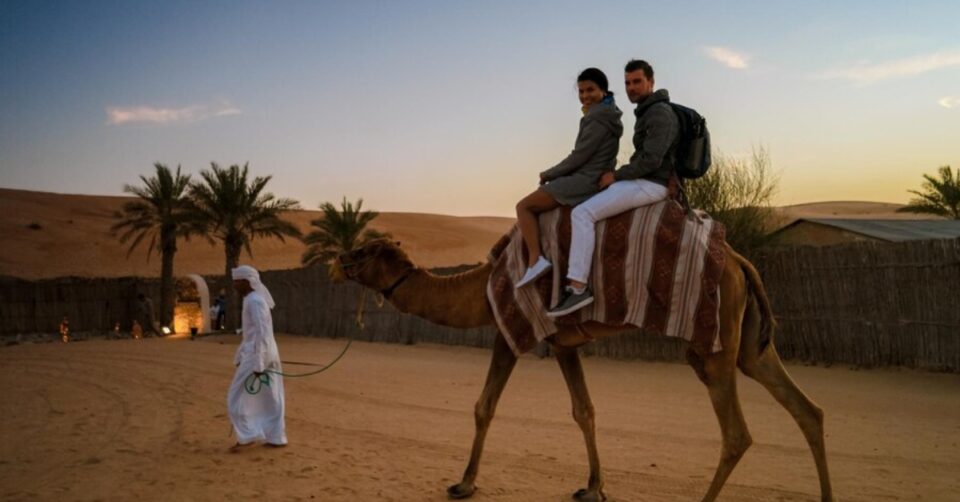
(118,115)
(729,58)
(869,73)
(950,101)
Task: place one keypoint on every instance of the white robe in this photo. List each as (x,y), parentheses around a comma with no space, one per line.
(257,416)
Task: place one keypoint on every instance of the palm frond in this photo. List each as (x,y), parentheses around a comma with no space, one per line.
(161,208)
(338,231)
(940,195)
(234,209)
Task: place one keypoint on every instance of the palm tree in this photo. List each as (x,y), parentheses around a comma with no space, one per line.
(939,196)
(234,210)
(338,232)
(161,213)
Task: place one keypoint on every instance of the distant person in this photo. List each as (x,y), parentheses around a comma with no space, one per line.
(136,330)
(220,304)
(64,329)
(145,314)
(576,178)
(641,182)
(259,416)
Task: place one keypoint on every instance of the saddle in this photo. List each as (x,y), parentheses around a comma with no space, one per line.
(656,267)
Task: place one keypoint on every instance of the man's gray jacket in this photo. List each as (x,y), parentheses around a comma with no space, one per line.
(654,134)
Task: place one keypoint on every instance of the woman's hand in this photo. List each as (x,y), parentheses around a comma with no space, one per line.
(543,180)
(606,179)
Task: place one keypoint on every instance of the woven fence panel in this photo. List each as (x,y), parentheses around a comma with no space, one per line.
(868,304)
(864,304)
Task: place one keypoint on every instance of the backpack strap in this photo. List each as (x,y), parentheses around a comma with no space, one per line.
(677,192)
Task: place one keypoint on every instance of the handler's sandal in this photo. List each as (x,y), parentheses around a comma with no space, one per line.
(571,301)
(533,273)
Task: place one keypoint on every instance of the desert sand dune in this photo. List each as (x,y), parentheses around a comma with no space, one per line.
(73,239)
(853,210)
(129,420)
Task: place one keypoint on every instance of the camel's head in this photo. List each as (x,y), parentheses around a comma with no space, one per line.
(378,264)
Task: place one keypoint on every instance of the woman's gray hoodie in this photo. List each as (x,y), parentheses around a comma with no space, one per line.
(575,179)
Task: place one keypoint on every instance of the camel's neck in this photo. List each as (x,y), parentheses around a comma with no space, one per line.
(457,300)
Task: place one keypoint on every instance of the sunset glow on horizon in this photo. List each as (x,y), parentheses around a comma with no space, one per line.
(455,107)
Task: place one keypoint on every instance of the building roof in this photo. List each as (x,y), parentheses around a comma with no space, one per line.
(890,230)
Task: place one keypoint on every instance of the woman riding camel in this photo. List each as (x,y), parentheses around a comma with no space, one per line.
(576,178)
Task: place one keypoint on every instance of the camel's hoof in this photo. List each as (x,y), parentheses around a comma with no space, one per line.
(585,495)
(461,491)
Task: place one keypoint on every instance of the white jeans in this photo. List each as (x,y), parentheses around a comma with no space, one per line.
(615,199)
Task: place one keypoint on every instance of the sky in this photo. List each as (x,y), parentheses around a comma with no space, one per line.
(454,107)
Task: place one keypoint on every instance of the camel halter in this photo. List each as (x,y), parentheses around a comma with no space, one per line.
(361,263)
(396,284)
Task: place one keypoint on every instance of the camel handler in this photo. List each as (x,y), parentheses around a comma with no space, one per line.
(257,416)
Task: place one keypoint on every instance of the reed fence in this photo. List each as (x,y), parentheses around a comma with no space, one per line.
(863,304)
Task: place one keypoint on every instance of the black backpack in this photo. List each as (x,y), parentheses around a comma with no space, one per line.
(692,146)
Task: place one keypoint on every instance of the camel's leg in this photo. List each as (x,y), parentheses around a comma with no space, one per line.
(572,369)
(767,369)
(501,365)
(719,372)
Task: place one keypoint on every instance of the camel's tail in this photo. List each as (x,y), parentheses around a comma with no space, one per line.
(767,321)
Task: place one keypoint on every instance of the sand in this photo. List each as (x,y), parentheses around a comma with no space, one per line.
(145,420)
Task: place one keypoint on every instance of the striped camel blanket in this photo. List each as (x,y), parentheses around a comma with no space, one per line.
(654,268)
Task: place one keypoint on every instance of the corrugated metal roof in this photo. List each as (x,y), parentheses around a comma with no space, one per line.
(895,230)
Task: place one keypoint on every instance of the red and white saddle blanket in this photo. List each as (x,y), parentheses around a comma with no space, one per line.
(653,267)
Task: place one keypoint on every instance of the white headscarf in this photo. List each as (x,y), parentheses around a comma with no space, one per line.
(253,277)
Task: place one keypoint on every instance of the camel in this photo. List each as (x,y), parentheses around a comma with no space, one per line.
(746,331)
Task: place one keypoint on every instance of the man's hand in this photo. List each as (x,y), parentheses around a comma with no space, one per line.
(606,179)
(543,180)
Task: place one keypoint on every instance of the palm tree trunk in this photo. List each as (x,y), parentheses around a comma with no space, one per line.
(233,306)
(167,293)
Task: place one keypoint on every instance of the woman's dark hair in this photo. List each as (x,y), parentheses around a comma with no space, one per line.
(597,77)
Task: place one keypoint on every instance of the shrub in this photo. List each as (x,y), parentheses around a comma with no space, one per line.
(738,193)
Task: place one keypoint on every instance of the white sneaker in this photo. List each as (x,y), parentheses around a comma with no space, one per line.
(533,273)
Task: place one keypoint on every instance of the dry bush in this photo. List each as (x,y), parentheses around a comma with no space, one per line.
(738,193)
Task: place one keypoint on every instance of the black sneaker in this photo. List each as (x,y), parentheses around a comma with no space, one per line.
(571,302)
